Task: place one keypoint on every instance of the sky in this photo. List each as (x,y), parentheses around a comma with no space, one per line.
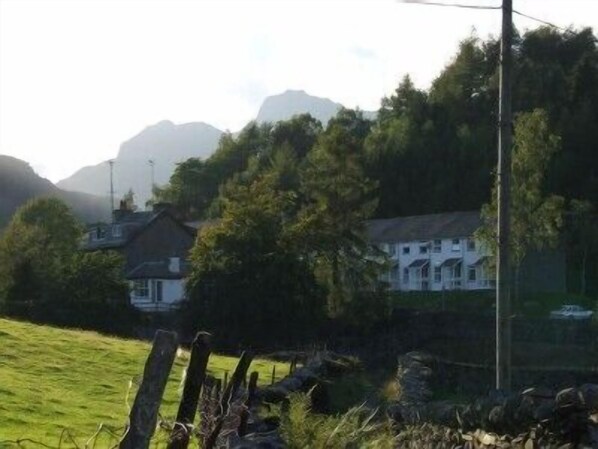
(79,77)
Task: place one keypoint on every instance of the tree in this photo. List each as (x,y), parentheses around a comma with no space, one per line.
(249,284)
(37,243)
(583,237)
(536,217)
(339,199)
(45,277)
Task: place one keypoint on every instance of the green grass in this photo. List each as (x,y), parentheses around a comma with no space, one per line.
(53,379)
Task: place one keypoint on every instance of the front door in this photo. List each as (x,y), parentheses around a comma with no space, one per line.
(158,291)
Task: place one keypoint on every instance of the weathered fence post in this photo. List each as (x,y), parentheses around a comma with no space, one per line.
(144,414)
(273,374)
(228,396)
(196,374)
(248,403)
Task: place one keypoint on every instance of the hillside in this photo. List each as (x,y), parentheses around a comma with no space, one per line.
(165,143)
(53,379)
(19,183)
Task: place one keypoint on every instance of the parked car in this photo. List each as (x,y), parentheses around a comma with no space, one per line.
(571,312)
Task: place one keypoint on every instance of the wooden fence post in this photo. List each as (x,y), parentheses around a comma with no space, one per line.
(144,414)
(196,374)
(273,374)
(228,396)
(248,403)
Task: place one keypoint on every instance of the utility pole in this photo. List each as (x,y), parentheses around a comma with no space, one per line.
(111,163)
(503,274)
(151,163)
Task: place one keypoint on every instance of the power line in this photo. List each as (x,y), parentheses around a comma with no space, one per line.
(563,29)
(485,7)
(451,5)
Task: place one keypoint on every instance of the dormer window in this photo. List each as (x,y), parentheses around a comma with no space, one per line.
(98,233)
(117,231)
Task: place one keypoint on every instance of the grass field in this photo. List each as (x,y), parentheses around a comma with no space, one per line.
(53,379)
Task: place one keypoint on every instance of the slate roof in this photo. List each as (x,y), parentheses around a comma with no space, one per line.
(157,270)
(423,227)
(130,224)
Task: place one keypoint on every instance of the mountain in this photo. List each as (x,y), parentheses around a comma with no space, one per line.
(165,143)
(19,183)
(293,102)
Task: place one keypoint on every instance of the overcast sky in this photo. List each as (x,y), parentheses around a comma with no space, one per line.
(78,77)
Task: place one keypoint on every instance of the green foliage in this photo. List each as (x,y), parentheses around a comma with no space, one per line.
(339,198)
(249,283)
(44,276)
(536,218)
(301,428)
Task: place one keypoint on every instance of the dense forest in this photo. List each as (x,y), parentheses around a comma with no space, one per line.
(433,150)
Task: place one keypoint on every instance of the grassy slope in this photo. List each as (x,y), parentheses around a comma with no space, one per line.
(52,379)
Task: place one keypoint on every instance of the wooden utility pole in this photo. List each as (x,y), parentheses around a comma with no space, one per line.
(111,164)
(503,273)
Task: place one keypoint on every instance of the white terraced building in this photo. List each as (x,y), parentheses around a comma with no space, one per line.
(433,252)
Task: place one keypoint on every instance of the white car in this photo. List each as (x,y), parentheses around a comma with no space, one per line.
(571,312)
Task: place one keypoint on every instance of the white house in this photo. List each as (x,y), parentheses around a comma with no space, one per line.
(155,247)
(158,286)
(433,252)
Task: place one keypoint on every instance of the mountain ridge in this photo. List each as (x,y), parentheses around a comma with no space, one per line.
(19,183)
(167,144)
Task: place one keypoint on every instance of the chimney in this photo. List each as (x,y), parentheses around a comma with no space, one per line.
(121,212)
(174,264)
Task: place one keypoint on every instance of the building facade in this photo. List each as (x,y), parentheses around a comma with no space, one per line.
(433,252)
(155,246)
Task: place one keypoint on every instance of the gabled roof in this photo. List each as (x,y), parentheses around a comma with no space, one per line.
(131,225)
(423,227)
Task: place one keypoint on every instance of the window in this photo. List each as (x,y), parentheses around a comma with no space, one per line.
(423,249)
(117,231)
(395,272)
(406,249)
(141,288)
(437,246)
(470,245)
(405,275)
(98,233)
(438,275)
(471,274)
(456,246)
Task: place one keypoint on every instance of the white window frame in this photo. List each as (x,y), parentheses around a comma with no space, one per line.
(406,250)
(456,245)
(438,274)
(141,289)
(423,248)
(117,231)
(437,246)
(472,269)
